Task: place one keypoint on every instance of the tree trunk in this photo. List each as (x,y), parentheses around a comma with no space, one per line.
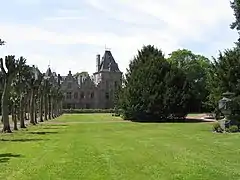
(52,107)
(41,108)
(35,110)
(45,106)
(27,108)
(61,108)
(35,114)
(22,112)
(56,108)
(32,120)
(5,110)
(18,113)
(49,107)
(14,117)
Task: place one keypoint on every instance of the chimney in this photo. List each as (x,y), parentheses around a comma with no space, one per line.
(59,79)
(98,62)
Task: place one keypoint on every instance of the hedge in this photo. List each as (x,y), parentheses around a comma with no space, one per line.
(78,111)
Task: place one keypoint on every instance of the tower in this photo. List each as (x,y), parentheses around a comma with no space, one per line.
(108,77)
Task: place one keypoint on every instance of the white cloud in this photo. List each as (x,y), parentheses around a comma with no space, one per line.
(27,1)
(64,18)
(164,23)
(185,18)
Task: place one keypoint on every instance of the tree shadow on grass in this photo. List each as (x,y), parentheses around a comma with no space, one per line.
(187,120)
(7,156)
(51,127)
(42,132)
(58,124)
(22,140)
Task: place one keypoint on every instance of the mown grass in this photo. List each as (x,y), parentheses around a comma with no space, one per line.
(72,148)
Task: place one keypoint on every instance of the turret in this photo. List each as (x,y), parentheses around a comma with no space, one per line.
(97,62)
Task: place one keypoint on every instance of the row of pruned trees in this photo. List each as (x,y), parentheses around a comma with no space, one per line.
(27,94)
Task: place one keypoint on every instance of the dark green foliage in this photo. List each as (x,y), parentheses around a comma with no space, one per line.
(235,5)
(224,75)
(235,111)
(153,88)
(197,69)
(233,129)
(235,106)
(227,71)
(78,111)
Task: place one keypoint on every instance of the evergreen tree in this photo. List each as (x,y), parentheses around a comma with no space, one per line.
(153,88)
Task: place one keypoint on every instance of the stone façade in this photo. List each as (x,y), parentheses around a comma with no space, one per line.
(96,91)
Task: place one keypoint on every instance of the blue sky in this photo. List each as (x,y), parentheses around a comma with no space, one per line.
(69,33)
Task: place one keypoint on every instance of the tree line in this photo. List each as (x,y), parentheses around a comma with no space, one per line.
(27,93)
(160,87)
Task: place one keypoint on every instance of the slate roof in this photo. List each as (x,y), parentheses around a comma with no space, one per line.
(48,72)
(108,63)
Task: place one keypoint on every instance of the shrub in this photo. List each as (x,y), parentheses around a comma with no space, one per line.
(79,111)
(233,129)
(217,127)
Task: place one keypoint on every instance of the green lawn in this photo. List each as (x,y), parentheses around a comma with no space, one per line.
(79,147)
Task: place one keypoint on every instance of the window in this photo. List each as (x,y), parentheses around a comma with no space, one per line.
(75,95)
(82,95)
(69,95)
(107,95)
(92,95)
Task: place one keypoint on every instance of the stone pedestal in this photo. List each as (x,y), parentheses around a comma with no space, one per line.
(222,123)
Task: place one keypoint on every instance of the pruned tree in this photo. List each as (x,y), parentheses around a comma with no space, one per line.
(34,84)
(14,98)
(9,72)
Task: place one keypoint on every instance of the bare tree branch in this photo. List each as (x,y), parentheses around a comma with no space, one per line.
(2,42)
(1,66)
